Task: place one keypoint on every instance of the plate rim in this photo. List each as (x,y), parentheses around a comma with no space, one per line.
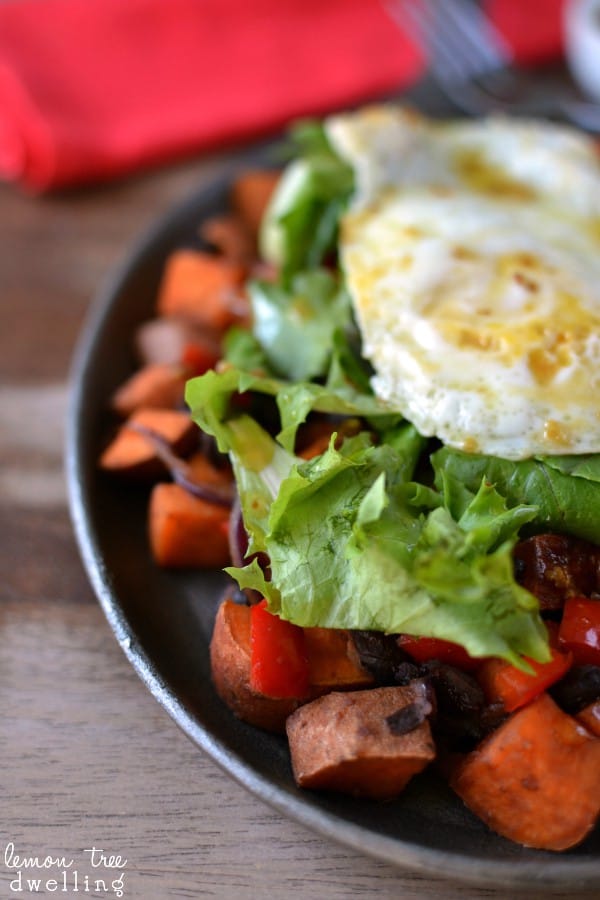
(550,870)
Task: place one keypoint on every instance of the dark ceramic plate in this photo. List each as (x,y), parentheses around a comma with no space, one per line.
(163,622)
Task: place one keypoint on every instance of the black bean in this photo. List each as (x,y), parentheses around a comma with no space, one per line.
(456,691)
(381,655)
(409,717)
(579,687)
(405,672)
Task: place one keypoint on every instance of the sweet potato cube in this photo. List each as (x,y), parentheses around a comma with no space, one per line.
(186,531)
(590,718)
(230,668)
(231,237)
(345,742)
(332,663)
(201,469)
(536,780)
(251,193)
(202,287)
(154,386)
(132,453)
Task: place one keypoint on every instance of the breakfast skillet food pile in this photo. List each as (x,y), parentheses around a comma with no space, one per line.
(392,352)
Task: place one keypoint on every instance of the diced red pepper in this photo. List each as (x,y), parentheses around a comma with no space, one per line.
(198,358)
(580,630)
(514,688)
(278,655)
(422,649)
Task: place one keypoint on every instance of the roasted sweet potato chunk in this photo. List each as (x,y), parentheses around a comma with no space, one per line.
(251,193)
(230,668)
(331,660)
(202,470)
(347,742)
(204,288)
(536,780)
(132,452)
(186,531)
(590,718)
(231,237)
(154,386)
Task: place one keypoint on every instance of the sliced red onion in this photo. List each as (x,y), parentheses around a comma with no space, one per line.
(180,471)
(238,538)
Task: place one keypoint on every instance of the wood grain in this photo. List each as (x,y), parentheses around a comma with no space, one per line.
(87,756)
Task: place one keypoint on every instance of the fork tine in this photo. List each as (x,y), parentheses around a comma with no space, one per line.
(419,19)
(460,41)
(465,19)
(474,67)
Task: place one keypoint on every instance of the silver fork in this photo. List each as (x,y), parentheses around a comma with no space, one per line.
(474,66)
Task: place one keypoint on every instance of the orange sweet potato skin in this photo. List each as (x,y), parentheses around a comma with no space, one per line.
(204,288)
(333,663)
(230,235)
(230,668)
(331,666)
(154,386)
(203,471)
(536,780)
(342,742)
(185,531)
(251,193)
(132,454)
(590,718)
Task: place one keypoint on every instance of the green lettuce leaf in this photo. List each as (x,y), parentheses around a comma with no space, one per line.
(567,500)
(260,466)
(300,226)
(242,350)
(353,543)
(209,395)
(295,326)
(347,366)
(585,466)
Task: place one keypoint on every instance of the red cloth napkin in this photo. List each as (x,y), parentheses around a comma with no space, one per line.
(93,89)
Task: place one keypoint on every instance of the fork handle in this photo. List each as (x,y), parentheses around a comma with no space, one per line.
(582,114)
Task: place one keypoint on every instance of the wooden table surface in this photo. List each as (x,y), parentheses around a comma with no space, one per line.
(87,756)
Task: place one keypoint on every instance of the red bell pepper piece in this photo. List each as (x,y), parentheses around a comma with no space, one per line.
(422,649)
(579,630)
(278,655)
(514,688)
(198,358)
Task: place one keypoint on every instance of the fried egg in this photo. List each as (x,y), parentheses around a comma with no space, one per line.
(471,251)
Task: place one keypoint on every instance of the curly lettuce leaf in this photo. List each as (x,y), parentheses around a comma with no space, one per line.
(209,395)
(260,466)
(353,543)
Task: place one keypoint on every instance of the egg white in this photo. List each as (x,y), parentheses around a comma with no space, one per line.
(472,254)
